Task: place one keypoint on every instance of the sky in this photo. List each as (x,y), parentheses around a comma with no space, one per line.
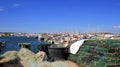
(60,16)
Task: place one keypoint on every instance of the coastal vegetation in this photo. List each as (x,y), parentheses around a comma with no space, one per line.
(98,53)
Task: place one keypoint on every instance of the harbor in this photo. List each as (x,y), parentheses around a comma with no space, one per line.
(87,50)
(59,33)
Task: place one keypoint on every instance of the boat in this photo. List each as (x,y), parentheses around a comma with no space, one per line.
(2,44)
(24,45)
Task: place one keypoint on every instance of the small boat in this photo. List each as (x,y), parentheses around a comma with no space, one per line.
(24,45)
(2,44)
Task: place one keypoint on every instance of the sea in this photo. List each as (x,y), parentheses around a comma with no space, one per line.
(11,43)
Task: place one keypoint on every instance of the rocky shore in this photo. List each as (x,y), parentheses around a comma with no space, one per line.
(26,58)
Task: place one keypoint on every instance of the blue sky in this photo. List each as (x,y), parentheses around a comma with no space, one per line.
(60,15)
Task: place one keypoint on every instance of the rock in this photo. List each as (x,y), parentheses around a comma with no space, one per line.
(59,64)
(49,64)
(70,63)
(42,64)
(9,54)
(26,58)
(10,57)
(41,56)
(26,55)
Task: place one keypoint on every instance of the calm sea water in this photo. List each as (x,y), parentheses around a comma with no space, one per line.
(12,43)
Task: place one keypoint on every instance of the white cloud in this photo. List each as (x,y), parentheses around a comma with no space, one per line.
(2,8)
(118,27)
(16,5)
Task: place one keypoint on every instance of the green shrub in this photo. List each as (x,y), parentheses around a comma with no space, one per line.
(98,54)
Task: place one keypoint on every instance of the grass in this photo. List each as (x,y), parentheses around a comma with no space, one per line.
(93,52)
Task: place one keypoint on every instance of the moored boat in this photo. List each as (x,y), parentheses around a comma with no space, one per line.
(2,44)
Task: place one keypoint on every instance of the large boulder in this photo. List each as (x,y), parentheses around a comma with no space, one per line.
(26,55)
(9,56)
(41,56)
